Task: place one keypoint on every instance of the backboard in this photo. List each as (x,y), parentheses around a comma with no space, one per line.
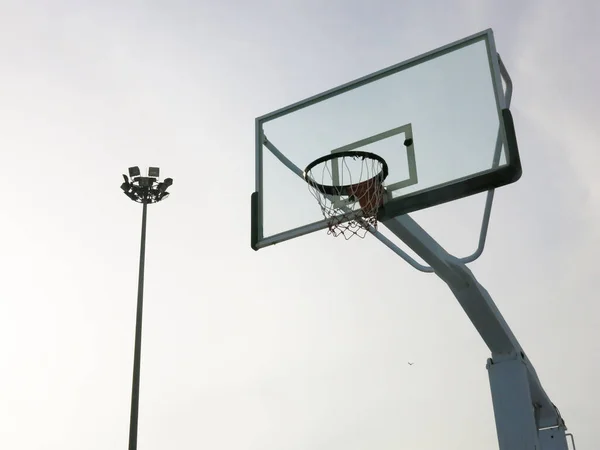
(438,120)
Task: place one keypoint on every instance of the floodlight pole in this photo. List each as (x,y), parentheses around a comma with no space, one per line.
(137,354)
(144,190)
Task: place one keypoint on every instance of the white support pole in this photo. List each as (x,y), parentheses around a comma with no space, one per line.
(522,408)
(513,410)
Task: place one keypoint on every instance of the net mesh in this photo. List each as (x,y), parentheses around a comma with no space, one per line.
(353,196)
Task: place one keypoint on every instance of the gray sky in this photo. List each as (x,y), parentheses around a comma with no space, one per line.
(287,347)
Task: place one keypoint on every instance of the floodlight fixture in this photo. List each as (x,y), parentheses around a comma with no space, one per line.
(162,187)
(145,182)
(134,171)
(145,189)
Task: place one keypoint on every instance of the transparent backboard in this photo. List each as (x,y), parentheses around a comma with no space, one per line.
(438,120)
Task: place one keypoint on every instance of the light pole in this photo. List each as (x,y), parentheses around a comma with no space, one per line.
(144,190)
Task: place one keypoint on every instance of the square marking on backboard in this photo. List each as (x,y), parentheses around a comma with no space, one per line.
(399,154)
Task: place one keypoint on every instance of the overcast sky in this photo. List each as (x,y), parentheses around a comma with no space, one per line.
(301,346)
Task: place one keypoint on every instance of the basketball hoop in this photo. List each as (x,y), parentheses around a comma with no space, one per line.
(349,189)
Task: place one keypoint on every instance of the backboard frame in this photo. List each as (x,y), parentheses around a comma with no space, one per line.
(471,185)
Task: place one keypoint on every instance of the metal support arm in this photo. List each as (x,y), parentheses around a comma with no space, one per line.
(522,408)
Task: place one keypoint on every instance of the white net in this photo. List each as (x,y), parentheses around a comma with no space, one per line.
(349,191)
